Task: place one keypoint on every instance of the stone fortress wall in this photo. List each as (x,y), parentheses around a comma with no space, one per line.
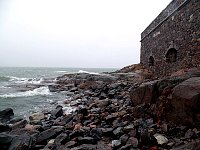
(172,41)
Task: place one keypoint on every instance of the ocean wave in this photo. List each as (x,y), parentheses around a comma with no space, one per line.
(83,71)
(4,78)
(25,80)
(5,87)
(62,71)
(35,92)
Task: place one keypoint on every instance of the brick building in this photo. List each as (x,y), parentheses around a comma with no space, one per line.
(172,41)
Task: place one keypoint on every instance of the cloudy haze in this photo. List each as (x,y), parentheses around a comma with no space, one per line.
(74,33)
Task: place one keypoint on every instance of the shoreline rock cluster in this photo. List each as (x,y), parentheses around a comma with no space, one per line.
(121,110)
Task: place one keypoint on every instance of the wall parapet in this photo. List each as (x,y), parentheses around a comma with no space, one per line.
(164,15)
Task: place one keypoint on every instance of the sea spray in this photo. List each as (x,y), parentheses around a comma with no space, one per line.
(37,91)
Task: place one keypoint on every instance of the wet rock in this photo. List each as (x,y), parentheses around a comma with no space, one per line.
(96,133)
(147,140)
(5,139)
(170,145)
(49,144)
(95,110)
(50,133)
(116,144)
(195,145)
(20,124)
(4,128)
(75,134)
(164,127)
(146,93)
(73,89)
(64,121)
(124,139)
(189,134)
(6,114)
(30,128)
(161,139)
(107,131)
(58,112)
(119,131)
(86,140)
(14,120)
(110,118)
(83,111)
(71,144)
(21,142)
(196,133)
(77,127)
(129,127)
(187,104)
(61,139)
(126,147)
(35,118)
(133,142)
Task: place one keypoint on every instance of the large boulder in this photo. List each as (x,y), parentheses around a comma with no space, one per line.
(186,102)
(48,134)
(5,141)
(21,142)
(35,118)
(145,93)
(6,114)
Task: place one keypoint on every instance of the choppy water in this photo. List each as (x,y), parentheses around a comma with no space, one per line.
(26,89)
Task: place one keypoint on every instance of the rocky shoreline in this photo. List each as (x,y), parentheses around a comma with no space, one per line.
(129,109)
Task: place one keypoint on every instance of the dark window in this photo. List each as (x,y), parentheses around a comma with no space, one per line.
(171,55)
(151,61)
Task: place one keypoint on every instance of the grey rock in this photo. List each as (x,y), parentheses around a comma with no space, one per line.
(161,139)
(189,134)
(70,144)
(5,138)
(36,118)
(50,133)
(14,120)
(6,114)
(133,142)
(86,140)
(58,112)
(4,128)
(118,131)
(95,110)
(116,144)
(21,142)
(107,131)
(20,124)
(124,139)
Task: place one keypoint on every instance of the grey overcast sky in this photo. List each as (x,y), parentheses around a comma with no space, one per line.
(74,33)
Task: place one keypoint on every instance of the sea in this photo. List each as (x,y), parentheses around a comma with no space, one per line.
(25,90)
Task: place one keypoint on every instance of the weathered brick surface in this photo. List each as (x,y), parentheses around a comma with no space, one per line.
(178,27)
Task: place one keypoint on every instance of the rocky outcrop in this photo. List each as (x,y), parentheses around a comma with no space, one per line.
(113,112)
(174,99)
(186,102)
(145,93)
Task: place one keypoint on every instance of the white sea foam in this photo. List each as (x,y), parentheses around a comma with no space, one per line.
(25,80)
(12,78)
(35,92)
(61,71)
(83,71)
(5,87)
(68,110)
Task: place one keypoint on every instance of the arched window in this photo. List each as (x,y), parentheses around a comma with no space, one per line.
(151,61)
(171,55)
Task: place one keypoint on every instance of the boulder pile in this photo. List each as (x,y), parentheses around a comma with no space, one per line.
(119,110)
